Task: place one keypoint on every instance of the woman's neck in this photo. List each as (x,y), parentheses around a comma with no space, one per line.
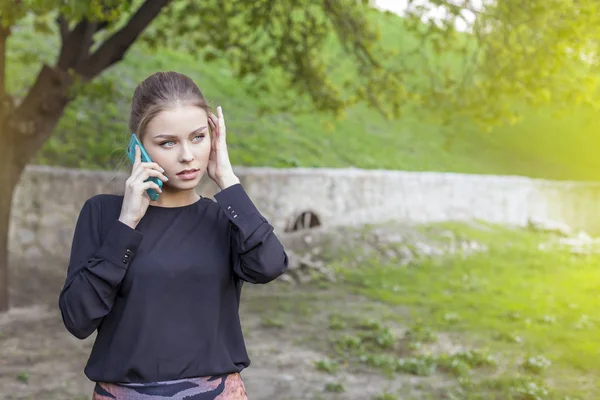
(178,198)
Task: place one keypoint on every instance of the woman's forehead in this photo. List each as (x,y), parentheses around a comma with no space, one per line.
(178,120)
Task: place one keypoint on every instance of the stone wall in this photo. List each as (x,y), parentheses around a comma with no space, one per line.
(48,200)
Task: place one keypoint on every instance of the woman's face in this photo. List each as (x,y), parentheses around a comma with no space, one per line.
(178,140)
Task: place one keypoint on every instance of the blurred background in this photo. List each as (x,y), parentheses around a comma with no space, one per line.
(431,166)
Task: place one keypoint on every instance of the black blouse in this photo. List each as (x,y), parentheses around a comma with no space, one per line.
(164,297)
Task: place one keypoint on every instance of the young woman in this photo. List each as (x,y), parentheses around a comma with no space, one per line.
(160,281)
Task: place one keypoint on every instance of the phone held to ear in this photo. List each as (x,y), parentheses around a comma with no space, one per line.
(133,141)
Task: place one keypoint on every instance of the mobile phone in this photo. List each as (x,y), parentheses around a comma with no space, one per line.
(133,141)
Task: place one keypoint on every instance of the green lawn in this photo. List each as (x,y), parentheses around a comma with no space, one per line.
(514,301)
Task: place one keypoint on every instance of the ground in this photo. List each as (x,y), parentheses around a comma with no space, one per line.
(446,311)
(39,359)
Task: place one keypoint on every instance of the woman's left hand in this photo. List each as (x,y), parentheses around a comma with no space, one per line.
(219,165)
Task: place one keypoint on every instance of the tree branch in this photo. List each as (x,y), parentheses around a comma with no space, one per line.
(4,33)
(113,49)
(86,42)
(63,26)
(76,44)
(349,33)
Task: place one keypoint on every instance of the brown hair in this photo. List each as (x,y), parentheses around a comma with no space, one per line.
(160,91)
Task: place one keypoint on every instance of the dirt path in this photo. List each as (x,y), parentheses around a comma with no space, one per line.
(285,330)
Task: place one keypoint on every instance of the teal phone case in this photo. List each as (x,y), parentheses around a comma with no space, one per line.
(133,141)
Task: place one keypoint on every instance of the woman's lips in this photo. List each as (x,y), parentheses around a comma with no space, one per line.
(188,175)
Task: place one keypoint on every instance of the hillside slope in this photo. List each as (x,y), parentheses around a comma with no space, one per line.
(93,131)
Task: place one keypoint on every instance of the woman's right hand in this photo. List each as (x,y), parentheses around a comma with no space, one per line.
(136,200)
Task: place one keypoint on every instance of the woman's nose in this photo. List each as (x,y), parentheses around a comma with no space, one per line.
(186,154)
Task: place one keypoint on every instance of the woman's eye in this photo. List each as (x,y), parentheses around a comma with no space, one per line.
(170,143)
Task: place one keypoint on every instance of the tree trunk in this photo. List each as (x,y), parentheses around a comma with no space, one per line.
(7,183)
(23,131)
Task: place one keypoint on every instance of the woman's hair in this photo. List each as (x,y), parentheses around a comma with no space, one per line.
(161,91)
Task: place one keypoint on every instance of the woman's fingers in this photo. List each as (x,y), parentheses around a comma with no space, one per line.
(221,121)
(146,170)
(138,157)
(212,119)
(220,114)
(152,165)
(218,120)
(213,126)
(216,133)
(148,165)
(217,125)
(150,185)
(146,173)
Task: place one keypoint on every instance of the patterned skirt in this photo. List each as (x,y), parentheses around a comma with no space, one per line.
(224,387)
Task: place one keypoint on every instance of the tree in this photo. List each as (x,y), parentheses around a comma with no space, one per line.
(254,35)
(503,55)
(511,53)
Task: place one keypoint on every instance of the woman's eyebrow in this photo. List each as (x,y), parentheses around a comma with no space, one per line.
(165,136)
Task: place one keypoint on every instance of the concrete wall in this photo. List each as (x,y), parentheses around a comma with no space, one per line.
(48,200)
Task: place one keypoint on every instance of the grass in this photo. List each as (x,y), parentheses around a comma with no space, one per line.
(514,321)
(93,132)
(535,310)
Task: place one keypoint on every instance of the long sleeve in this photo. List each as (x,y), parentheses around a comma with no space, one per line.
(258,255)
(97,266)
